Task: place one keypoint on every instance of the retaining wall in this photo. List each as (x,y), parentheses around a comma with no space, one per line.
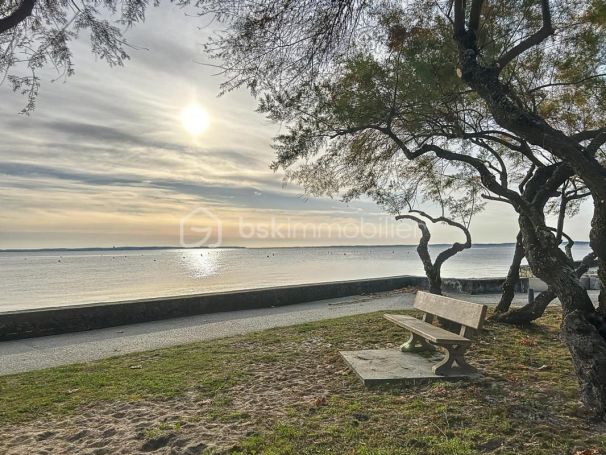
(75,318)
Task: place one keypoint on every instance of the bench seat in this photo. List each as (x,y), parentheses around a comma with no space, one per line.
(467,316)
(430,332)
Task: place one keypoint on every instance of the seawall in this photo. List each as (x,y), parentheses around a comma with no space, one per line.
(76,318)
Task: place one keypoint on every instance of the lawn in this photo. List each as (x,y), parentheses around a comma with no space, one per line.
(287,391)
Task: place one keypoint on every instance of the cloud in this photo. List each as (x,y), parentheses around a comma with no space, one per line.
(77,130)
(35,176)
(103,159)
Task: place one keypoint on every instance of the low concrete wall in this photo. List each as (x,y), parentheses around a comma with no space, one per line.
(75,318)
(480,285)
(589,282)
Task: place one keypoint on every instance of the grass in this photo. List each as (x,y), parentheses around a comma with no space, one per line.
(290,390)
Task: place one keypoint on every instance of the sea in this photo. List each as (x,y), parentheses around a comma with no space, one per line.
(50,278)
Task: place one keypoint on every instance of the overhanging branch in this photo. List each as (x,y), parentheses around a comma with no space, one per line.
(536,38)
(23,11)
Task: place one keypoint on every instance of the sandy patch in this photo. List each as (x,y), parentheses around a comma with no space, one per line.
(189,424)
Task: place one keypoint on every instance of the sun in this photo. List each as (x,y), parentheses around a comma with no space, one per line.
(194,119)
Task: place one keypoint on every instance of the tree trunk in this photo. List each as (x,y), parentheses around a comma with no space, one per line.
(583,329)
(597,238)
(513,277)
(584,334)
(432,272)
(536,308)
(582,326)
(529,312)
(435,281)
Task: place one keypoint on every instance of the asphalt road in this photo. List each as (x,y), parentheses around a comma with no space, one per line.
(45,352)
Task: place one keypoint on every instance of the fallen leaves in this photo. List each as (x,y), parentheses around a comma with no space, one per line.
(587,452)
(528,341)
(321,401)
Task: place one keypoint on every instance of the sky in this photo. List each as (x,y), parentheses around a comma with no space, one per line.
(105,160)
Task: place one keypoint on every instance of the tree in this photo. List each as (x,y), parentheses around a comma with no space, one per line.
(513,277)
(431,181)
(401,189)
(535,309)
(568,204)
(433,268)
(37,33)
(488,85)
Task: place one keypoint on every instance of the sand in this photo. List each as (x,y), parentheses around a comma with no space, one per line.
(187,424)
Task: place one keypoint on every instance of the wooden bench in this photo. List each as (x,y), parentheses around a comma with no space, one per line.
(425,336)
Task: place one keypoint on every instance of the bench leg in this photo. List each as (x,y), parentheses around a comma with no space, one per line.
(416,343)
(454,354)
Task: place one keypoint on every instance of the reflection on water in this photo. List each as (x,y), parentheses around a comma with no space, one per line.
(42,279)
(201,264)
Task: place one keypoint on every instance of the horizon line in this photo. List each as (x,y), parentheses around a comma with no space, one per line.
(166,247)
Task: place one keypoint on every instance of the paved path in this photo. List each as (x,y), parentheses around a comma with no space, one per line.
(44,352)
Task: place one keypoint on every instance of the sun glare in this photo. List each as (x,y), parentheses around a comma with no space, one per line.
(194,119)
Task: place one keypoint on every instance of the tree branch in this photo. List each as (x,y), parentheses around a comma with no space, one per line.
(433,269)
(495,198)
(562,214)
(456,246)
(474,15)
(410,217)
(489,135)
(23,11)
(569,242)
(503,171)
(557,84)
(569,245)
(527,152)
(488,179)
(596,143)
(546,181)
(536,38)
(586,263)
(526,178)
(459,17)
(587,134)
(575,196)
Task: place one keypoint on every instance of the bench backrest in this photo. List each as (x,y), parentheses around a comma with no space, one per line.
(467,314)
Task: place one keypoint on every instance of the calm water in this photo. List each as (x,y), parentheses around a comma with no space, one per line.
(41,279)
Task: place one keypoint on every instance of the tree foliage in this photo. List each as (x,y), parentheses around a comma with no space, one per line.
(39,33)
(512,92)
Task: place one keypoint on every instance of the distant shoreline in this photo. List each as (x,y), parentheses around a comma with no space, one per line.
(163,248)
(117,248)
